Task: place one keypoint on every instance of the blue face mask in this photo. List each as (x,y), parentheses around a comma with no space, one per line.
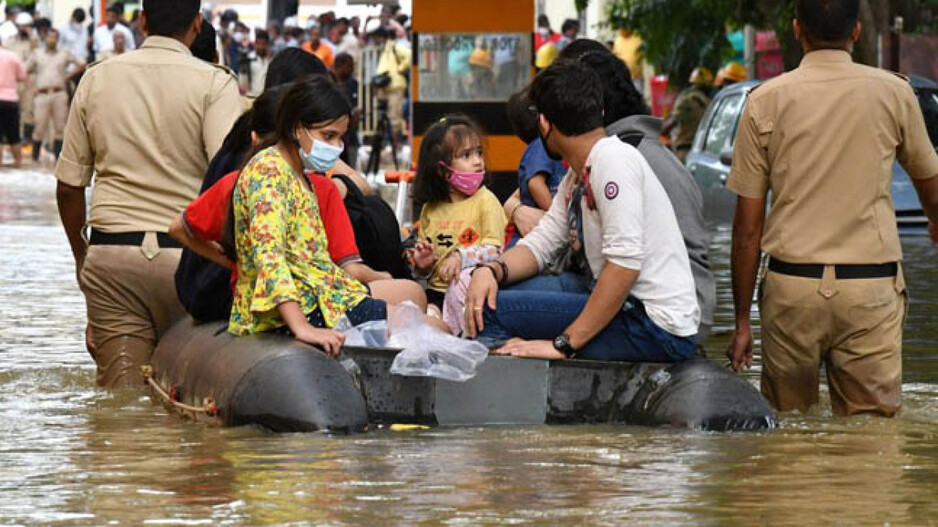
(321,157)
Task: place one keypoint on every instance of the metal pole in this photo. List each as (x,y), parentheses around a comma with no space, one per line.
(749,50)
(896,36)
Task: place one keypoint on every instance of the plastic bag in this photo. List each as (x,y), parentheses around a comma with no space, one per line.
(372,334)
(429,352)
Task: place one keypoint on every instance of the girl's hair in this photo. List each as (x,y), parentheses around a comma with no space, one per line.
(620,97)
(312,100)
(439,145)
(286,67)
(291,64)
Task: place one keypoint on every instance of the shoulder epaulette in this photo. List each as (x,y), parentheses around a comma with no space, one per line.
(901,76)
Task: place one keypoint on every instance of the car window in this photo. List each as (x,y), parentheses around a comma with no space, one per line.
(929,101)
(723,125)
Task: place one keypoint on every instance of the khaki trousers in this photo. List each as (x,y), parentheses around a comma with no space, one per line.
(852,327)
(131,301)
(50,110)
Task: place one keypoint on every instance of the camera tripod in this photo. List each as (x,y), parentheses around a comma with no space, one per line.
(382,129)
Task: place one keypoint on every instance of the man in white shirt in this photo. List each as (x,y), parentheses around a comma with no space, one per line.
(611,220)
(73,37)
(104,35)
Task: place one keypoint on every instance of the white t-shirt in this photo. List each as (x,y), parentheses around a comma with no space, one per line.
(633,226)
(104,38)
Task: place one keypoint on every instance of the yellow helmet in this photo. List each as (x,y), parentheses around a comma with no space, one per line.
(481,57)
(733,71)
(545,55)
(702,76)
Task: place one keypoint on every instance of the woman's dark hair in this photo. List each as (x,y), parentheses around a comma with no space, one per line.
(203,47)
(620,97)
(287,66)
(292,64)
(523,120)
(439,145)
(264,112)
(312,100)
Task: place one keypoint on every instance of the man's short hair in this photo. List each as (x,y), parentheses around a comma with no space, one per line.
(568,94)
(260,34)
(78,15)
(569,24)
(117,8)
(170,18)
(827,22)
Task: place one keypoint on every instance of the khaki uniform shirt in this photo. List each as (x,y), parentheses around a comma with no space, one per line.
(823,138)
(50,67)
(147,123)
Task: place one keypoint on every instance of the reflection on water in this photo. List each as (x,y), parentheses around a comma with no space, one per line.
(70,454)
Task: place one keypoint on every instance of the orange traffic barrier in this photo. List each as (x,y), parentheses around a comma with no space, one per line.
(397,176)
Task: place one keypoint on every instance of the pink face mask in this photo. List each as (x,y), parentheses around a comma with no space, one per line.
(466,182)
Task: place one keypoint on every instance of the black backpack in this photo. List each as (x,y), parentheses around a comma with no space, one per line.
(377,232)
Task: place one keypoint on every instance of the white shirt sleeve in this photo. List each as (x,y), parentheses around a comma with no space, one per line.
(617,183)
(550,238)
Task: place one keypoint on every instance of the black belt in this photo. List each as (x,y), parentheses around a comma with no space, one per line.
(131,238)
(842,271)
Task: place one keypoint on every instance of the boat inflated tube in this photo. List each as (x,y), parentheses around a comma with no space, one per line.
(268,380)
(283,385)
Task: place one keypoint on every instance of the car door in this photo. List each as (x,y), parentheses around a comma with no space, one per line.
(716,137)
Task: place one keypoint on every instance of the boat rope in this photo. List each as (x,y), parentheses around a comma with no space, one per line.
(170,397)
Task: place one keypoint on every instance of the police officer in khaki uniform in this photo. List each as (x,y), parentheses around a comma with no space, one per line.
(51,103)
(146,125)
(689,108)
(823,138)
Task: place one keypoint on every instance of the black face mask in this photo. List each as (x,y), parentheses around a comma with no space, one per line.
(550,153)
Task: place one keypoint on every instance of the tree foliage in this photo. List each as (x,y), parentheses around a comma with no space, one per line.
(680,35)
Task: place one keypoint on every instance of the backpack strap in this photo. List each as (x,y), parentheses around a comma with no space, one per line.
(350,186)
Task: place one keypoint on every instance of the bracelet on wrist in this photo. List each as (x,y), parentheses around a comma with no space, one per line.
(484,266)
(511,216)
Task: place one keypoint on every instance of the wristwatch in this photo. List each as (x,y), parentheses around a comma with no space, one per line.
(562,344)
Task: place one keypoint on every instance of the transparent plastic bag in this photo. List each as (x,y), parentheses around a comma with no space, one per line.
(372,334)
(429,352)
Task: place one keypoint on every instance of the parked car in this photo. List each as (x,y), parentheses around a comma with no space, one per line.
(711,155)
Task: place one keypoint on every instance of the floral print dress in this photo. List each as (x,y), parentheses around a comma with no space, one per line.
(282,250)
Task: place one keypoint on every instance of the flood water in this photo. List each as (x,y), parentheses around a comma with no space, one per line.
(71,454)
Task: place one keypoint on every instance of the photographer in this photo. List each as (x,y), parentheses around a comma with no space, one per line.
(390,79)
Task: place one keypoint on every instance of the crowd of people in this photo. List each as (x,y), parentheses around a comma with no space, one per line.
(228,202)
(53,60)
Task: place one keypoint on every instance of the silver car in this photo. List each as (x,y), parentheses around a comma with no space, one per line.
(711,155)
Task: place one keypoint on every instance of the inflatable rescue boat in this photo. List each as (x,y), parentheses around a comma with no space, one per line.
(273,381)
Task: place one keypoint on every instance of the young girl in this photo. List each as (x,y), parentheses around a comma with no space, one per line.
(286,277)
(462,223)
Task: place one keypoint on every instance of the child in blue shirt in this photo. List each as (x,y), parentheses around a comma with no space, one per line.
(538,174)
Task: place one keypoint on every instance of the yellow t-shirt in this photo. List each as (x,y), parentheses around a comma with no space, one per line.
(477,220)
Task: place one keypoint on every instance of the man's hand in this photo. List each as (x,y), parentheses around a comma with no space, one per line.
(531,349)
(423,256)
(740,349)
(89,340)
(526,218)
(482,289)
(450,267)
